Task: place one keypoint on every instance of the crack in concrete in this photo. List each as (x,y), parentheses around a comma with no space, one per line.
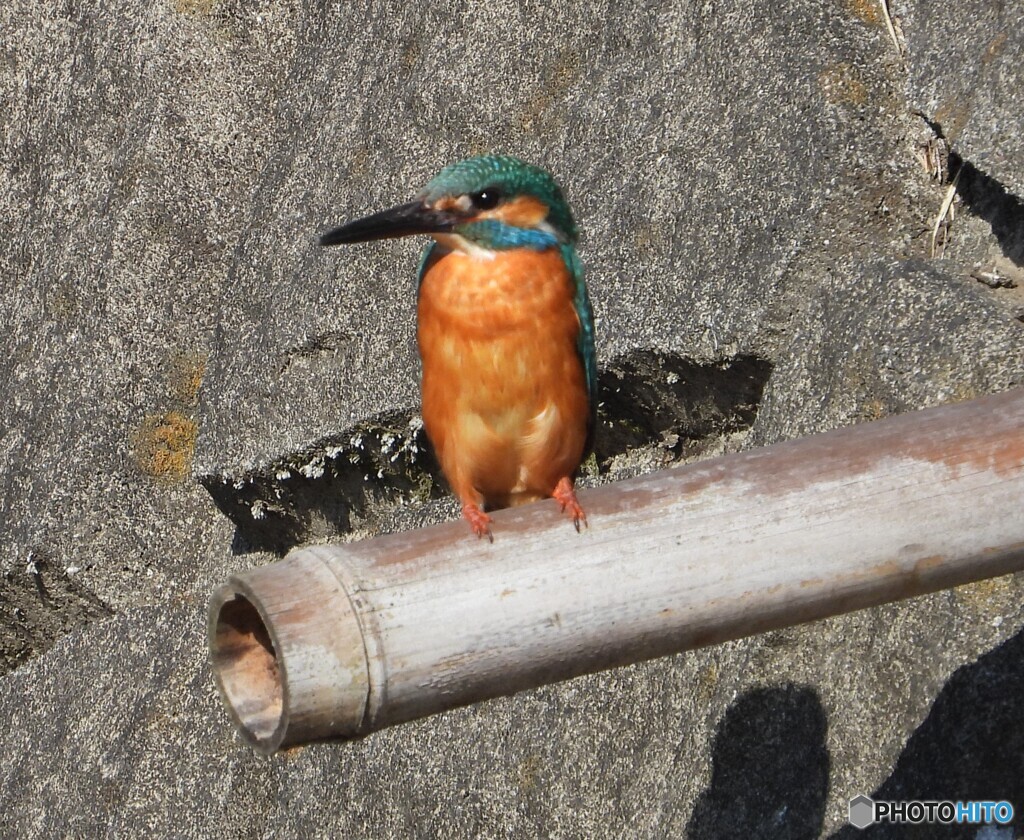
(646,399)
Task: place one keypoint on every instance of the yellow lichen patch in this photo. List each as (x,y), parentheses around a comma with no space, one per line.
(987,596)
(186,377)
(994,48)
(707,683)
(164,445)
(963,391)
(873,409)
(841,86)
(952,114)
(358,160)
(195,7)
(62,301)
(411,53)
(545,108)
(867,10)
(528,773)
(648,236)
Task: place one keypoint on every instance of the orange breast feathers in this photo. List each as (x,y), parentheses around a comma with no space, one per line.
(504,392)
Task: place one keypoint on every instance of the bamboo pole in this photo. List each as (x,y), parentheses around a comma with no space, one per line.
(343,639)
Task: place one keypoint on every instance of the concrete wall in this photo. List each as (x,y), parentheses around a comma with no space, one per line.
(191,385)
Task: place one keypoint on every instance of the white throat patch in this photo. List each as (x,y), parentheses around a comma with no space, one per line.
(455,242)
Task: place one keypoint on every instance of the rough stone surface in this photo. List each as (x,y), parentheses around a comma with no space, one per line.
(933,337)
(768,737)
(964,64)
(758,187)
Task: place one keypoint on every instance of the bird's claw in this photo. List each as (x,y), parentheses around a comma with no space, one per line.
(565,495)
(479,521)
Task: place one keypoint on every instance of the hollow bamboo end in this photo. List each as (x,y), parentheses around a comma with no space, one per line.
(287,653)
(246,668)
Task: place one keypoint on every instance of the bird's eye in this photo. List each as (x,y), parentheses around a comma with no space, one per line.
(486,199)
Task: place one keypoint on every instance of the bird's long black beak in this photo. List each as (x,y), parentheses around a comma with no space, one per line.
(406,219)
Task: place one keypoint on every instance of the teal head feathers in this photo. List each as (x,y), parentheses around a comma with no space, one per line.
(493,202)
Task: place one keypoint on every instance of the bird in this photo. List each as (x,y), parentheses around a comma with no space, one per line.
(505,331)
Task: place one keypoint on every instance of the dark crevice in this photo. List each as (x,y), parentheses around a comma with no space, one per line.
(328,489)
(663,399)
(328,343)
(646,399)
(40,603)
(935,127)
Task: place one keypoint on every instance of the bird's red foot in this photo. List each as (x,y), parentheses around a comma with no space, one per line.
(565,495)
(479,521)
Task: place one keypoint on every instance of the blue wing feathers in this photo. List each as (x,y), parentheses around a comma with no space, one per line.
(585,345)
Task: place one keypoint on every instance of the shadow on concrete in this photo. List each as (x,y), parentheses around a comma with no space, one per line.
(984,196)
(987,198)
(970,747)
(769,777)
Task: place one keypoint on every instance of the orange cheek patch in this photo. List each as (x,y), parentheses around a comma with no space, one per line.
(523,211)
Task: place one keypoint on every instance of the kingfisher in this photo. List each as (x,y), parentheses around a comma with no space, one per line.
(505,332)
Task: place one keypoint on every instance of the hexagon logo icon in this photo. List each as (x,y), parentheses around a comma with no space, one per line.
(862,811)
